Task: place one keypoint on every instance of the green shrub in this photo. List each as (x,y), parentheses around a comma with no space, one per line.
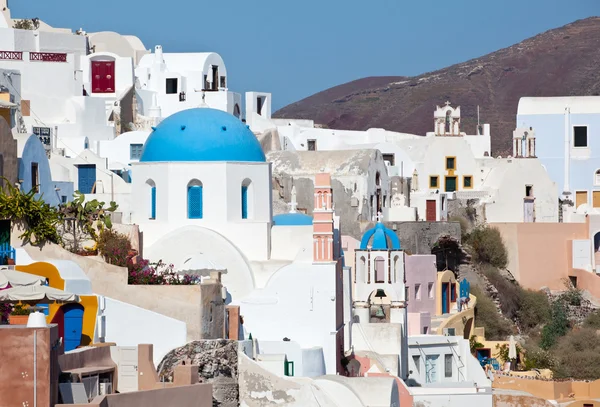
(534,310)
(114,247)
(487,316)
(537,358)
(503,350)
(556,328)
(578,355)
(488,246)
(593,320)
(572,295)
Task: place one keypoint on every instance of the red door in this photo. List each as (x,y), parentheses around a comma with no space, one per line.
(103,76)
(430,211)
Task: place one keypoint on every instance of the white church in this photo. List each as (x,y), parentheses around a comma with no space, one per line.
(201,194)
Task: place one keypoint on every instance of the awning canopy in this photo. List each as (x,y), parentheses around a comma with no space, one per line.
(18,278)
(4,104)
(37,293)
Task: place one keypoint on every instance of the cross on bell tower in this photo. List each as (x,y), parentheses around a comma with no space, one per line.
(293,204)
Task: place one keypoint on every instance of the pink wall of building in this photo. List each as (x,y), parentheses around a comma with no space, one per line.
(421,270)
(541,254)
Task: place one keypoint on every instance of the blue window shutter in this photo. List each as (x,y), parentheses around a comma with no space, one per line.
(195,202)
(153,213)
(244,202)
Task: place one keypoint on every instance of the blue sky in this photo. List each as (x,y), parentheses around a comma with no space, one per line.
(296,48)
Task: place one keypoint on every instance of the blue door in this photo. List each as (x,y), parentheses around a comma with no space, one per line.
(73,314)
(445,298)
(87,178)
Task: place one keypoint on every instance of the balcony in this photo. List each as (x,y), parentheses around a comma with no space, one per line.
(33,56)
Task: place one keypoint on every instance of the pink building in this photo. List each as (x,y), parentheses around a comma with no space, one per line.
(421,277)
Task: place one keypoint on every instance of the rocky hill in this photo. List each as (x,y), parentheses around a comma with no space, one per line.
(560,62)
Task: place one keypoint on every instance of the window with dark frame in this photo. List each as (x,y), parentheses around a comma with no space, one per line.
(467,181)
(312,145)
(450,163)
(580,137)
(434,181)
(528,191)
(448,365)
(389,158)
(171,86)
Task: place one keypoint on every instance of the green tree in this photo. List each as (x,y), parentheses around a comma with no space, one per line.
(556,328)
(488,246)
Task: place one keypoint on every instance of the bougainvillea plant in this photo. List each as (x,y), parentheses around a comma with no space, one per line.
(145,273)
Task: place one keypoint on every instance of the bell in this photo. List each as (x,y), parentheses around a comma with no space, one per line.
(380,293)
(379,313)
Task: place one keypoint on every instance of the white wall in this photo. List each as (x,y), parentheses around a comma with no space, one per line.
(118,150)
(465,368)
(300,297)
(221,205)
(124,76)
(308,362)
(301,236)
(181,244)
(508,178)
(128,325)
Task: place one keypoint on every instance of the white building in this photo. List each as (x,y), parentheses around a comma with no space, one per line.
(566,144)
(443,373)
(202,188)
(444,165)
(174,82)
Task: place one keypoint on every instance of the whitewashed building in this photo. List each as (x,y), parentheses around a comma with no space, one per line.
(173,82)
(443,373)
(446,164)
(202,188)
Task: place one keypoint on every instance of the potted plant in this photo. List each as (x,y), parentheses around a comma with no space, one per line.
(19,315)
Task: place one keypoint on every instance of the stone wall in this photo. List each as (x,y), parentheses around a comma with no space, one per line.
(217,362)
(415,237)
(470,209)
(346,207)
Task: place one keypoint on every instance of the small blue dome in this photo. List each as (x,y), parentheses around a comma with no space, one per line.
(380,235)
(292,219)
(202,134)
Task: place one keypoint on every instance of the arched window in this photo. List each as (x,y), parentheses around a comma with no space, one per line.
(396,268)
(194,199)
(236,111)
(151,188)
(448,121)
(247,199)
(359,273)
(379,269)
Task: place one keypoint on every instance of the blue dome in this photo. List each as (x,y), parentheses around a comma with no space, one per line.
(380,235)
(292,219)
(202,134)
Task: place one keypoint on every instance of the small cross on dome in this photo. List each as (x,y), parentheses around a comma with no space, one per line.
(447,103)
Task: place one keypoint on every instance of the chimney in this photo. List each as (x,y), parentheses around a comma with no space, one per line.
(323,219)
